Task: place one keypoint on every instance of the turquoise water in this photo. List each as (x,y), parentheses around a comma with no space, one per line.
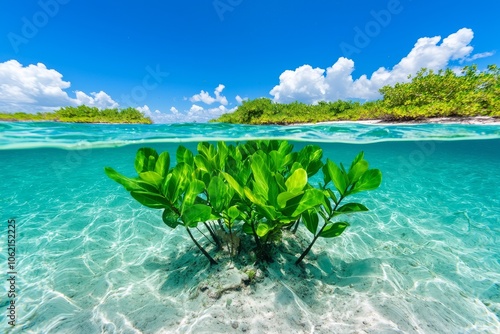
(425,259)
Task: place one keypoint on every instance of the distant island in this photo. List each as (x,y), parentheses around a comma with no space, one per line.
(81,114)
(428,95)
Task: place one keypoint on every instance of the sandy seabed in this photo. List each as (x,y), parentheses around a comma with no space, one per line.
(425,259)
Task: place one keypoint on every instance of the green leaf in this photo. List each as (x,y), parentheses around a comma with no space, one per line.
(267,211)
(152,178)
(261,175)
(233,212)
(194,188)
(331,194)
(221,156)
(203,176)
(333,230)
(150,200)
(204,149)
(151,161)
(253,197)
(350,208)
(247,228)
(163,164)
(195,214)
(370,180)
(337,176)
(129,184)
(312,198)
(310,219)
(310,158)
(327,204)
(357,170)
(234,184)
(262,229)
(358,158)
(170,218)
(326,174)
(280,181)
(297,181)
(144,158)
(261,204)
(202,163)
(284,197)
(295,165)
(218,194)
(176,182)
(275,161)
(184,155)
(169,187)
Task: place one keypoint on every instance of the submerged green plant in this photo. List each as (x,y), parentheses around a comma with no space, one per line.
(176,191)
(259,188)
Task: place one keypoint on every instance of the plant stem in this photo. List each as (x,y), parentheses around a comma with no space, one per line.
(230,244)
(213,235)
(309,247)
(257,240)
(296,226)
(212,261)
(210,241)
(306,251)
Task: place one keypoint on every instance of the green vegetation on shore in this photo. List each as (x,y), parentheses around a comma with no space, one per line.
(429,94)
(82,114)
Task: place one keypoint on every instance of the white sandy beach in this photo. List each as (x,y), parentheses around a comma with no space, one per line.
(435,120)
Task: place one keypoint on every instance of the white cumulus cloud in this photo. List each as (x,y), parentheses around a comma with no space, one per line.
(308,84)
(35,88)
(480,55)
(240,99)
(100,100)
(194,114)
(206,98)
(147,111)
(195,108)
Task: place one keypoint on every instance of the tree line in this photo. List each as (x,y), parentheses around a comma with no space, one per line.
(428,94)
(82,114)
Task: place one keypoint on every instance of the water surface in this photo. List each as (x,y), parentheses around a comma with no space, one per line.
(425,259)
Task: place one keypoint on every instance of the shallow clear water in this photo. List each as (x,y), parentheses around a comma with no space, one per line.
(425,259)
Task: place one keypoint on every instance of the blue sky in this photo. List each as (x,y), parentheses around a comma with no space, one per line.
(193,60)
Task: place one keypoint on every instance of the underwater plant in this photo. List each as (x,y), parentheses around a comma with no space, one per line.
(259,188)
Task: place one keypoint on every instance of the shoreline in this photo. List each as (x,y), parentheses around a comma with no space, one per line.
(473,120)
(64,122)
(447,120)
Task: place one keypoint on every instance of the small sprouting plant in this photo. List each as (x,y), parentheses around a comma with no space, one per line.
(251,274)
(258,188)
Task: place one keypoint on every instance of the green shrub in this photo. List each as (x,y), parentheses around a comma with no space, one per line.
(258,188)
(428,94)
